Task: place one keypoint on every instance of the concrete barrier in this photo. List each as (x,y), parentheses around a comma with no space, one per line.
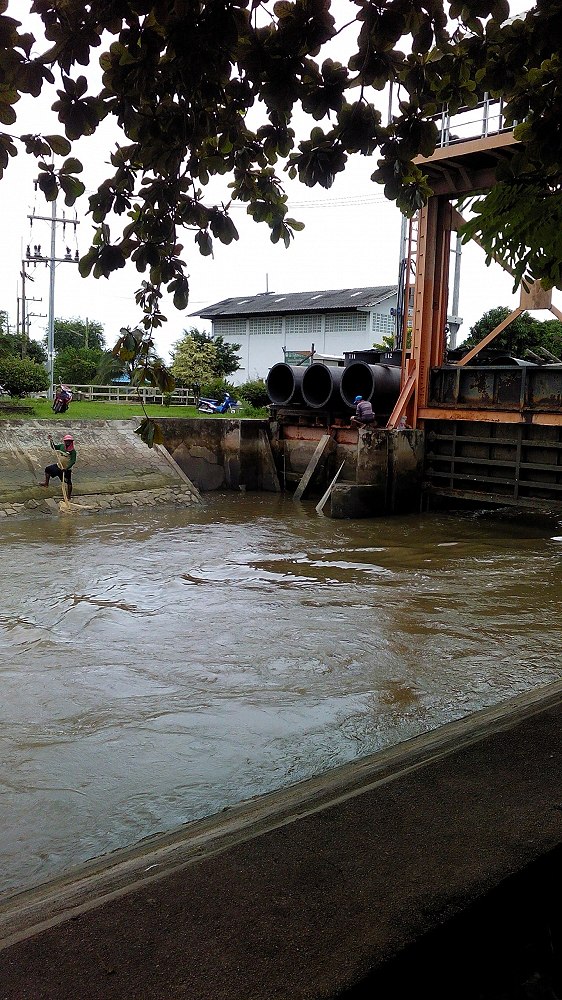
(112,461)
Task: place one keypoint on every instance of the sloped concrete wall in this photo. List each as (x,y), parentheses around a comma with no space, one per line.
(111,460)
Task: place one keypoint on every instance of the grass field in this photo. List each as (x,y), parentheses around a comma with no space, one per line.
(40,409)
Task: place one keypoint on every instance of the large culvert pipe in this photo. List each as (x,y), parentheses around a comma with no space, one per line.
(378,383)
(321,386)
(284,384)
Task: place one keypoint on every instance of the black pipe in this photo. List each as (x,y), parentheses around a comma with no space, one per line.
(321,386)
(284,384)
(378,383)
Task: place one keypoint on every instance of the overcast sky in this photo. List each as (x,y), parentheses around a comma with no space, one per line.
(351,239)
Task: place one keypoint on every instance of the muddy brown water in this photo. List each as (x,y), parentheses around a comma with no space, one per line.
(155,671)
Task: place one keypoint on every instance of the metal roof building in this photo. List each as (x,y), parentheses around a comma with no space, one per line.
(274,326)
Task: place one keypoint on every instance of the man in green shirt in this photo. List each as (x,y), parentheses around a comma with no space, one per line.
(63,466)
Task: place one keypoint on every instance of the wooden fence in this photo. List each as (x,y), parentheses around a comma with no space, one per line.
(132,394)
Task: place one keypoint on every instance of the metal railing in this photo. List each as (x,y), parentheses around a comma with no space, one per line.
(132,394)
(487,118)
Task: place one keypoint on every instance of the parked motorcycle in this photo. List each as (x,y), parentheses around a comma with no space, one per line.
(62,400)
(228,405)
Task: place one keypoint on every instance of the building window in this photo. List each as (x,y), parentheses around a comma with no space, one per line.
(346,321)
(382,323)
(229,327)
(266,324)
(302,325)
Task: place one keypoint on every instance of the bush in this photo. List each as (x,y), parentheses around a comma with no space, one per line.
(255,393)
(19,376)
(77,365)
(249,412)
(215,388)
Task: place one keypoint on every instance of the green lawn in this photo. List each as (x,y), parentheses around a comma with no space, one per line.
(40,409)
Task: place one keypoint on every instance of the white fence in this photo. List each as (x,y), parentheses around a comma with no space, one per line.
(132,394)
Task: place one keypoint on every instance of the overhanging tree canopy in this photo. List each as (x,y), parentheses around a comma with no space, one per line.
(180,77)
(183,80)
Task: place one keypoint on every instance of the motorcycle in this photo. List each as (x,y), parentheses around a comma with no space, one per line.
(228,405)
(62,400)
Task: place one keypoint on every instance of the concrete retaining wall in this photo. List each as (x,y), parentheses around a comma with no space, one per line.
(222,454)
(381,470)
(388,478)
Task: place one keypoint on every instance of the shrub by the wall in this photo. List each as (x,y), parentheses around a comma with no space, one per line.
(254,392)
(19,376)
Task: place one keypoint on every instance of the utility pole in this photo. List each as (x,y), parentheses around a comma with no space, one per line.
(51,260)
(37,316)
(22,326)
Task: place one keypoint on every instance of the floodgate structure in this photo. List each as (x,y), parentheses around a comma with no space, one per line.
(339,885)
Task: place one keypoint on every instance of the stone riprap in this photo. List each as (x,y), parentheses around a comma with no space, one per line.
(114,467)
(98,502)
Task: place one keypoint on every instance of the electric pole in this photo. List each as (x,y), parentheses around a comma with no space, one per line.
(37,257)
(22,326)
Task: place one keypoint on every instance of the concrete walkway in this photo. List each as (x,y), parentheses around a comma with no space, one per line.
(112,460)
(297,895)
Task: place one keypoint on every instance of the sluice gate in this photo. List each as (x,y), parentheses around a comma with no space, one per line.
(496,433)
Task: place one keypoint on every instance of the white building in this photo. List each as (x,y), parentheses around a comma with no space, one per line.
(272,326)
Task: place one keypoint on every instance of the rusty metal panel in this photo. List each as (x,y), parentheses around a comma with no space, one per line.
(515,389)
(545,388)
(521,461)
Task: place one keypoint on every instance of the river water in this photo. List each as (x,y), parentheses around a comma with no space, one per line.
(155,671)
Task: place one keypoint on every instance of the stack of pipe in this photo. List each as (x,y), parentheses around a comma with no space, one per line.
(320,386)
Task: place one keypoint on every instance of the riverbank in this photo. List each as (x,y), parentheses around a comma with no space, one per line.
(112,462)
(303,893)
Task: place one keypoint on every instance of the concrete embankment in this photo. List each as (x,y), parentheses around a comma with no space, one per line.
(114,467)
(303,892)
(223,454)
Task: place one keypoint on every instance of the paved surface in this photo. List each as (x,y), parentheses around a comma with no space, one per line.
(111,459)
(299,895)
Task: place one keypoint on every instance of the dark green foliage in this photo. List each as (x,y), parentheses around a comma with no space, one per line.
(135,354)
(215,389)
(19,376)
(109,368)
(254,392)
(226,360)
(180,78)
(11,343)
(182,81)
(522,335)
(150,432)
(77,366)
(78,333)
